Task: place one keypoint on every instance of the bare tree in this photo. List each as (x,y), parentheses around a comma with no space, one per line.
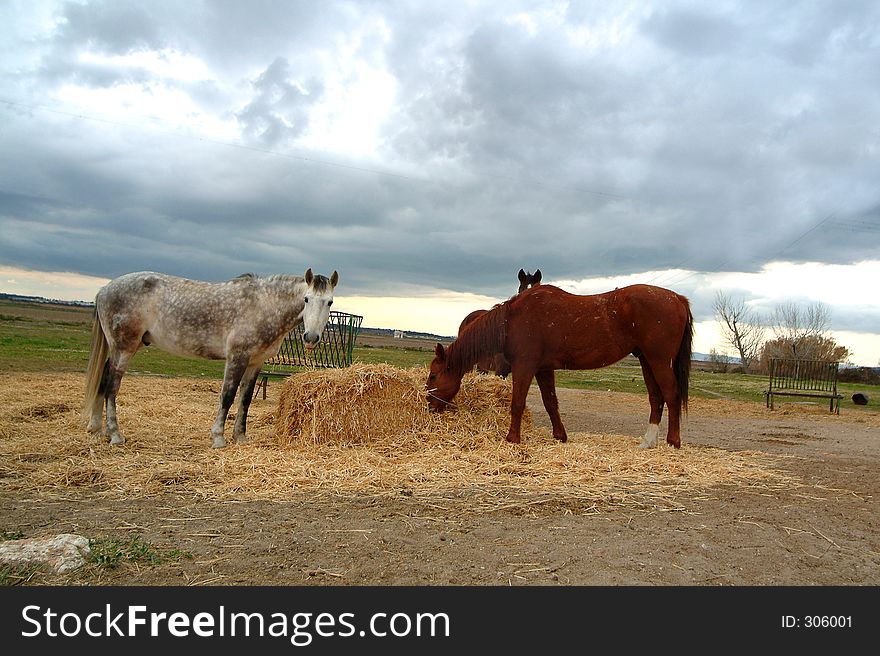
(797,330)
(811,347)
(741,326)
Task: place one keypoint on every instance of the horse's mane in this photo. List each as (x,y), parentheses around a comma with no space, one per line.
(482,337)
(319,282)
(283,278)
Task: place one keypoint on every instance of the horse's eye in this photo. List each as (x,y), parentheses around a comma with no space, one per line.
(329,303)
(432,377)
(306,299)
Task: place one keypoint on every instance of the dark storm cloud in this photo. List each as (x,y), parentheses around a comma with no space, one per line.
(592,139)
(111,27)
(694,31)
(729,148)
(279,109)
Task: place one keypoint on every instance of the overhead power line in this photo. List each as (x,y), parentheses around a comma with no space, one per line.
(730,260)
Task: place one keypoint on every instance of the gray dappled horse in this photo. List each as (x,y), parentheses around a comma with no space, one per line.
(242,321)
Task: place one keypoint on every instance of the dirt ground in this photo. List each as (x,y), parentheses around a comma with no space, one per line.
(824,531)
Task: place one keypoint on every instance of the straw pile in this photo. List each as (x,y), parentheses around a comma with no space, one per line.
(381,404)
(335,447)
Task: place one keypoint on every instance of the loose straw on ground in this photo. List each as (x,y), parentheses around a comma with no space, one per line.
(361,431)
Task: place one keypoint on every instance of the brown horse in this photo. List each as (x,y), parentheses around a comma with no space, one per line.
(546,328)
(497,362)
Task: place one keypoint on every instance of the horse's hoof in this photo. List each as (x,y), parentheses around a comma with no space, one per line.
(513,439)
(117,439)
(240,439)
(677,445)
(561,438)
(219,443)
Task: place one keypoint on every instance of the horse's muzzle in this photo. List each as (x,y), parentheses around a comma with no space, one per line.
(311,340)
(436,404)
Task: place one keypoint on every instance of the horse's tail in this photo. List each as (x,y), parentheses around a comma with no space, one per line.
(683,357)
(96,366)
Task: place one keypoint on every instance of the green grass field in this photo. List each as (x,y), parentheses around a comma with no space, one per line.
(34,338)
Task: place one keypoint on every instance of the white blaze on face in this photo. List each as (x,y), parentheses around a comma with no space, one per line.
(650,439)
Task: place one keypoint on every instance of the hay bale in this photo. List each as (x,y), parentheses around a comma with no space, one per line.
(380,403)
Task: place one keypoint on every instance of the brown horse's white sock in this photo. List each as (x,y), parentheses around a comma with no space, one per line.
(650,439)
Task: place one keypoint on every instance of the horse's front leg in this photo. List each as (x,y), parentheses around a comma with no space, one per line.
(668,386)
(522,379)
(245,394)
(235,367)
(547,383)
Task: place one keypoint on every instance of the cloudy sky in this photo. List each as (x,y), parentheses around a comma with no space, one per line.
(429,150)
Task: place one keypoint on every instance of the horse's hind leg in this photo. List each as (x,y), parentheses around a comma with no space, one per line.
(96,418)
(236,365)
(665,377)
(116,366)
(245,394)
(655,398)
(547,384)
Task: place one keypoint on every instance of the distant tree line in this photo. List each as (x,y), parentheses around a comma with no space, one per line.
(791,331)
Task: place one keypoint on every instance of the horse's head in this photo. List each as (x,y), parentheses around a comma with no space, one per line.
(443,384)
(316,310)
(527,280)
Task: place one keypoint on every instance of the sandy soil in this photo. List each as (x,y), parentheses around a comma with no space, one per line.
(822,532)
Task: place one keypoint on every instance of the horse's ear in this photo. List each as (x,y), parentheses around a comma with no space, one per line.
(537,277)
(522,275)
(334,279)
(309,277)
(440,352)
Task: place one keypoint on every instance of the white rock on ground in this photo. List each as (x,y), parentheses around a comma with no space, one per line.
(60,553)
